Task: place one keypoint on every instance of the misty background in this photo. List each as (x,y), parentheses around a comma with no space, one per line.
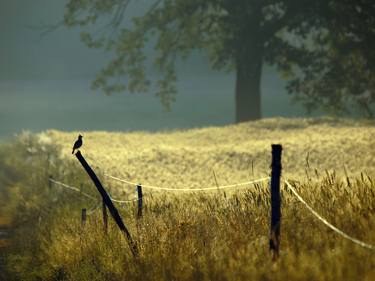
(45,82)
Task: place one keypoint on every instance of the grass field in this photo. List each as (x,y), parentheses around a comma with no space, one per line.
(194,236)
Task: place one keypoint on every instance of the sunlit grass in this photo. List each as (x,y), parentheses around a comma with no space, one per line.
(212,235)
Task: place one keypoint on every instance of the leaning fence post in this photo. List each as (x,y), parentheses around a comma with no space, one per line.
(140,198)
(108,202)
(83,217)
(105,218)
(275,200)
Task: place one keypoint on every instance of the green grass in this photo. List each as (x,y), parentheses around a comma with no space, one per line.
(194,236)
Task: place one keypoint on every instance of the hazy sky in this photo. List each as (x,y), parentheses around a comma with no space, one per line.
(25,55)
(37,91)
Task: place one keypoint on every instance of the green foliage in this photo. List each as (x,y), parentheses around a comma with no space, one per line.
(337,72)
(324,47)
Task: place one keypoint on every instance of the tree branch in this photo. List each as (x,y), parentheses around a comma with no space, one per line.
(46,29)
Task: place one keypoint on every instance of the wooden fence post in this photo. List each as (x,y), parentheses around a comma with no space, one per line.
(105,218)
(49,181)
(275,201)
(108,202)
(83,217)
(140,198)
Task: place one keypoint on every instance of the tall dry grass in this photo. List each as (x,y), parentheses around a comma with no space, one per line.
(205,236)
(236,153)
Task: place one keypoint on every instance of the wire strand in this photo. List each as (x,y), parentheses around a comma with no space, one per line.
(189,189)
(72,188)
(324,221)
(88,195)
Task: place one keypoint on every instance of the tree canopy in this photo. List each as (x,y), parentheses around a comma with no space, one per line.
(324,47)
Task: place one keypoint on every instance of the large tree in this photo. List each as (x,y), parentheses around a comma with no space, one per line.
(337,73)
(241,35)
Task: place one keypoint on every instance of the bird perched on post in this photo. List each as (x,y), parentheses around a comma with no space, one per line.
(77,144)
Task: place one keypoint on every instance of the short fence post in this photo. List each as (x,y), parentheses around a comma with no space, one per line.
(105,217)
(50,181)
(140,198)
(275,201)
(83,217)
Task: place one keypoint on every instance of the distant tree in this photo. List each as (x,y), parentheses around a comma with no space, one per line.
(320,46)
(338,72)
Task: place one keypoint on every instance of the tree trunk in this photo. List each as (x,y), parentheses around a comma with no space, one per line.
(248,94)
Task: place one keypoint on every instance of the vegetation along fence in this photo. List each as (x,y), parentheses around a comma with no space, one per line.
(275,215)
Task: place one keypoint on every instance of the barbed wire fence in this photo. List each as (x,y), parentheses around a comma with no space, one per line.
(288,184)
(275,201)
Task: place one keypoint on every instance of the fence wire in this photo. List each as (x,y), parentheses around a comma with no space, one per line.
(324,221)
(189,189)
(88,195)
(72,188)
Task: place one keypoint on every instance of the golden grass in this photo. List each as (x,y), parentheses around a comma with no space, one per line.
(213,235)
(199,237)
(236,153)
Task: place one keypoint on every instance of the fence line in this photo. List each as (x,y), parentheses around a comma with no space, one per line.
(72,188)
(291,188)
(88,195)
(190,189)
(324,221)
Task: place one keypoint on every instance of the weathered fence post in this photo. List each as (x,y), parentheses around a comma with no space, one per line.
(49,181)
(83,224)
(108,202)
(105,218)
(83,217)
(140,198)
(275,200)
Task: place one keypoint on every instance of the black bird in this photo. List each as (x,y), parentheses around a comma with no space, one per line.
(77,144)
